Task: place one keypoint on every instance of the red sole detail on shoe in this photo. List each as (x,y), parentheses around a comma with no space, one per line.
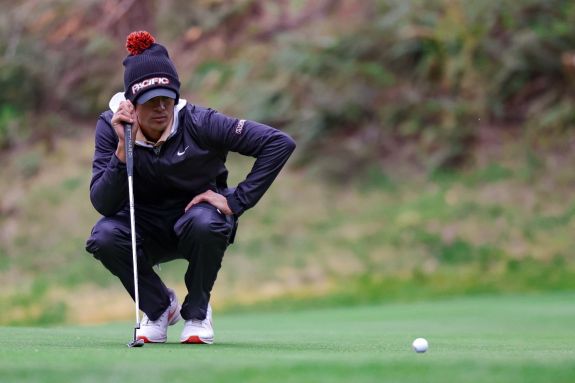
(194,339)
(145,339)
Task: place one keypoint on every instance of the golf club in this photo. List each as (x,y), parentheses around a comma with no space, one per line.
(130,170)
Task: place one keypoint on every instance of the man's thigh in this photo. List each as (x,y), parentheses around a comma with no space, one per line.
(155,227)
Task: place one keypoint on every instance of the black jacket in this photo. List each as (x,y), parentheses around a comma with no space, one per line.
(191,161)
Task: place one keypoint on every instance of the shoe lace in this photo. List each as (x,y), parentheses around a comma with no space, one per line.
(200,322)
(147,322)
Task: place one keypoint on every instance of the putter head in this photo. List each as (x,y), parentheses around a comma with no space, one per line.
(136,343)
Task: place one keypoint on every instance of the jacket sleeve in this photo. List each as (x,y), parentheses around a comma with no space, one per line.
(269,146)
(109,186)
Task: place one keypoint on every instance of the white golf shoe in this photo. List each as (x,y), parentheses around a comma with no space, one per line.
(157,331)
(199,331)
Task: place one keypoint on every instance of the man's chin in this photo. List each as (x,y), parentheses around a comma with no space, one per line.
(153,130)
(158,127)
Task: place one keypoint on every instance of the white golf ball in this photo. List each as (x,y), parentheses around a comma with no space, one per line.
(420,345)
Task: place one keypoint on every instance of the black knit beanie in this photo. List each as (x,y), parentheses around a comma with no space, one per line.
(148,68)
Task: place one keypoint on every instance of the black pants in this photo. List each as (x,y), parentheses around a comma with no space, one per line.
(201,236)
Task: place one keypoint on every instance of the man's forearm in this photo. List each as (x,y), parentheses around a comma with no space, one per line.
(266,168)
(108,189)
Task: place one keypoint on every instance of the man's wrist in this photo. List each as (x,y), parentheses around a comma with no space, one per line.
(234,205)
(121,154)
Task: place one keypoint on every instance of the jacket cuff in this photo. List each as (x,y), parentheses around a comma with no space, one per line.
(235,205)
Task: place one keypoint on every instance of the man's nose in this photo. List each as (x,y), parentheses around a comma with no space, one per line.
(161,103)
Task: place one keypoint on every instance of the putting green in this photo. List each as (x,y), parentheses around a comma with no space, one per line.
(478,339)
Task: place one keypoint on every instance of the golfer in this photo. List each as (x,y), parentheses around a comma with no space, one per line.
(183,205)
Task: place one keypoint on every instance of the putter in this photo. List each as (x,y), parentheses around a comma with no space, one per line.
(129,148)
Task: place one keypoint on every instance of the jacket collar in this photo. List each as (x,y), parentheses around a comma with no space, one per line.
(114,103)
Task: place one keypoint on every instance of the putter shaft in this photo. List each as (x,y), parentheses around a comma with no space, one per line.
(128,145)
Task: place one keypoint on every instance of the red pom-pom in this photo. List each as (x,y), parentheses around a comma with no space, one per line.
(137,42)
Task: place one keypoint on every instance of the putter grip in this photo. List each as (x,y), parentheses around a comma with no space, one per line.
(129,149)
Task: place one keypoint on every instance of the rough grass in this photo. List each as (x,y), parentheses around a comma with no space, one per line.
(515,338)
(504,225)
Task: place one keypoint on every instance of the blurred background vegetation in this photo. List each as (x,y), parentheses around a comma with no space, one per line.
(435,146)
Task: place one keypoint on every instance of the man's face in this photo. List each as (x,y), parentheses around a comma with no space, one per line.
(155,115)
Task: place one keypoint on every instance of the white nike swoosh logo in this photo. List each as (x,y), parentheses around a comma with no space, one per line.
(182,153)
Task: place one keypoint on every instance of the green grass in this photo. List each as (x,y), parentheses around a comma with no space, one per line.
(519,338)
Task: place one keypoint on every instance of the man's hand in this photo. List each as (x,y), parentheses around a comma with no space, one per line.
(215,199)
(124,115)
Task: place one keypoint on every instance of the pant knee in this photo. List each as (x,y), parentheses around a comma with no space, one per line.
(202,223)
(107,237)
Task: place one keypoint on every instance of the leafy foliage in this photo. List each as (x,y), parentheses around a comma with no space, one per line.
(429,72)
(356,83)
(351,80)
